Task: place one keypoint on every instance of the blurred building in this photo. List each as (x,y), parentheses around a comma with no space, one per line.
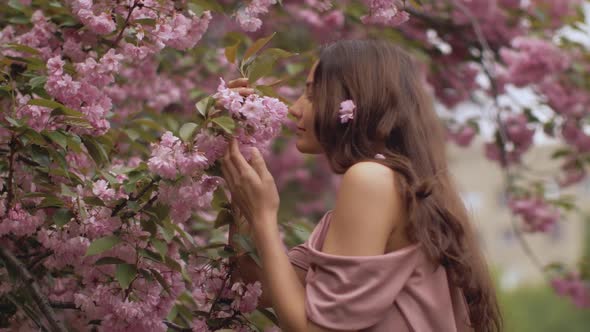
(481,184)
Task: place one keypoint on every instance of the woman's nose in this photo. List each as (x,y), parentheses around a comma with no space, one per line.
(295,109)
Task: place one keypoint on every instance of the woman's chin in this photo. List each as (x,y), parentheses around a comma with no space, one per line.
(303,147)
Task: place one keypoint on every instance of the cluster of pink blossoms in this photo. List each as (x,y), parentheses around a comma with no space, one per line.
(17,221)
(574,287)
(531,59)
(247,16)
(520,139)
(85,94)
(101,23)
(538,215)
(263,116)
(171,157)
(385,12)
(189,196)
(230,298)
(463,136)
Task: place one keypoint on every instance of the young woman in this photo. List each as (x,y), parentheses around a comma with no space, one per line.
(397,252)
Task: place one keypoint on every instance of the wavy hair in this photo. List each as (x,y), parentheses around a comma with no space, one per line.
(395,117)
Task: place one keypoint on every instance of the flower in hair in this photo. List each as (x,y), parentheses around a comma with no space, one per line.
(379,156)
(346,111)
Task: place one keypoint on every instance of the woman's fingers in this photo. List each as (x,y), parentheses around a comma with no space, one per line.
(238,82)
(238,161)
(244,92)
(257,162)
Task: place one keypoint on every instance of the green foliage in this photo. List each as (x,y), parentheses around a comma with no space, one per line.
(539,309)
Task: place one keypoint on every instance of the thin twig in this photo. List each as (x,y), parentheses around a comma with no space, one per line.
(10,180)
(33,288)
(132,198)
(176,327)
(490,73)
(120,35)
(63,305)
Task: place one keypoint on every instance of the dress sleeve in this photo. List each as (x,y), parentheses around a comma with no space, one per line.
(298,257)
(354,292)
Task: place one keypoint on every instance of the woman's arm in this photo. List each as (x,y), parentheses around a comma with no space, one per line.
(367,210)
(363,219)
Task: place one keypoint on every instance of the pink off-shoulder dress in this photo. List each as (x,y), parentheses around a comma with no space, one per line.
(396,292)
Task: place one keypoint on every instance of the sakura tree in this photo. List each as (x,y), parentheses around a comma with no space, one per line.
(113,214)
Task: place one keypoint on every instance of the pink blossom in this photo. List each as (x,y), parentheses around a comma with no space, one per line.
(385,12)
(247,16)
(102,190)
(189,196)
(574,287)
(101,24)
(464,136)
(182,32)
(566,100)
(346,111)
(171,156)
(19,222)
(531,59)
(537,214)
(199,325)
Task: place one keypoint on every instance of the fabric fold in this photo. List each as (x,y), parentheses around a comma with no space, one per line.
(376,293)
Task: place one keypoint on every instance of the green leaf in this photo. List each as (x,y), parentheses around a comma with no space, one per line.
(125,274)
(231,52)
(203,105)
(161,280)
(23,48)
(187,131)
(35,137)
(149,254)
(160,246)
(211,5)
(145,21)
(37,82)
(46,103)
(57,137)
(109,260)
(561,153)
(257,46)
(62,217)
(50,201)
(226,123)
(224,217)
(103,244)
(272,317)
(95,149)
(14,122)
(262,66)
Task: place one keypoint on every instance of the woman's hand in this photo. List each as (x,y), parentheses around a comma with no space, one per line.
(240,85)
(253,189)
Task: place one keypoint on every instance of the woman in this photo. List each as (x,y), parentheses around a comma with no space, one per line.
(397,252)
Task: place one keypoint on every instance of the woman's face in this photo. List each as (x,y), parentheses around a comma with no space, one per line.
(303,112)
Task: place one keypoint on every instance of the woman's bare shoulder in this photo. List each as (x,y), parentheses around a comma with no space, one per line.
(365,210)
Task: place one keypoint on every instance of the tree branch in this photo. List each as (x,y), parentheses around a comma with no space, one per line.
(503,136)
(176,327)
(33,288)
(120,35)
(132,198)
(10,180)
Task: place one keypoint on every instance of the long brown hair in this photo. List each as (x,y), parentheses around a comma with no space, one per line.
(395,117)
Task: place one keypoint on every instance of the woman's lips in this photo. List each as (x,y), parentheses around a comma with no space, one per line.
(299,128)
